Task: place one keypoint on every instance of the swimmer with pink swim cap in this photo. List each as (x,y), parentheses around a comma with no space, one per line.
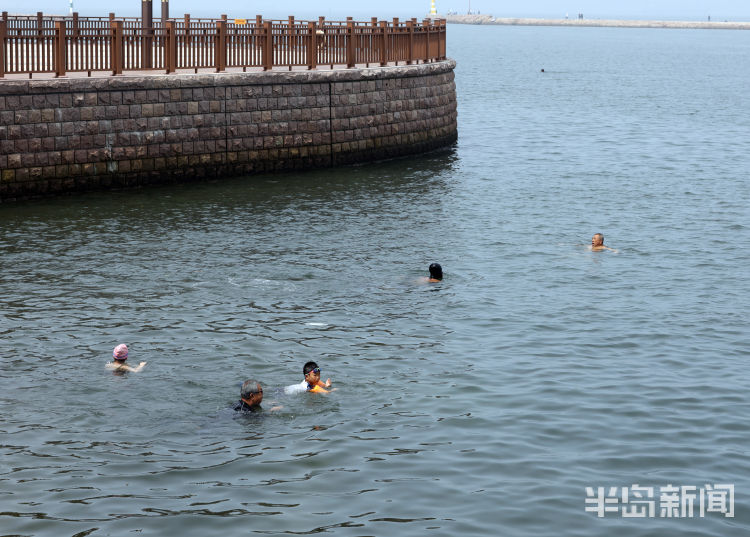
(119,356)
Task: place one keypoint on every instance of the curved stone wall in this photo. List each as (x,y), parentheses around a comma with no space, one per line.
(64,135)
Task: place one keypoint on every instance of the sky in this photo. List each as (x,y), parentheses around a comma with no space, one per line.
(734,10)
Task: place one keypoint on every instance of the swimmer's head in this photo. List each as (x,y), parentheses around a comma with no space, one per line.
(311,372)
(436,271)
(120,353)
(251,392)
(597,240)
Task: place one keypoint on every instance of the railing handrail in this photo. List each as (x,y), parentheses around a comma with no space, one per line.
(192,19)
(62,44)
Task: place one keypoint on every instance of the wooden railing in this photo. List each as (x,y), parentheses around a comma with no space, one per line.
(44,44)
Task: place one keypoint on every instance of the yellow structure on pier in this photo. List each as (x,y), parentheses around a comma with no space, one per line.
(433,11)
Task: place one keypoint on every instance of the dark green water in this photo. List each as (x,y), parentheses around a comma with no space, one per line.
(483,405)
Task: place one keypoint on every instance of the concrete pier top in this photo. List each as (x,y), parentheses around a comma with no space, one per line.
(612,23)
(158,80)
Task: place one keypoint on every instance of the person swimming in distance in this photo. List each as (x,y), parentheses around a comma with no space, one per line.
(312,378)
(251,395)
(119,356)
(436,274)
(597,243)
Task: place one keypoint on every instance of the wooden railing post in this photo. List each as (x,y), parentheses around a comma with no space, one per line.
(394,41)
(267,46)
(426,26)
(39,23)
(60,46)
(257,40)
(164,12)
(170,48)
(117,40)
(443,39)
(382,44)
(291,41)
(5,17)
(312,46)
(147,42)
(373,40)
(410,29)
(350,59)
(221,46)
(3,32)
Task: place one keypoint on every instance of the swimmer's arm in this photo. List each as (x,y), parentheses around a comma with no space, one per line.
(326,385)
(126,367)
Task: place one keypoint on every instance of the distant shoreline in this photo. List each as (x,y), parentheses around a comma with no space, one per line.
(611,23)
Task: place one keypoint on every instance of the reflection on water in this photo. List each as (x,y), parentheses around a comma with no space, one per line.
(484,404)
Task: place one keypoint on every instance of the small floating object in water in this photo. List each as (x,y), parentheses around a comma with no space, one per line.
(316,324)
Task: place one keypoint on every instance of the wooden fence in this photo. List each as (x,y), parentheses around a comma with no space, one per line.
(45,44)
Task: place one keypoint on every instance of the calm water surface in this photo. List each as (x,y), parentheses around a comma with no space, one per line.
(483,405)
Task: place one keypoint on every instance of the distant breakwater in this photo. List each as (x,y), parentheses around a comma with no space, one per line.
(79,134)
(702,25)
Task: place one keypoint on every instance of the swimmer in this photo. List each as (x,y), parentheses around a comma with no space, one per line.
(119,355)
(251,395)
(436,274)
(597,243)
(312,379)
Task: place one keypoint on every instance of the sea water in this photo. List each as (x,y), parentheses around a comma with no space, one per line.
(496,402)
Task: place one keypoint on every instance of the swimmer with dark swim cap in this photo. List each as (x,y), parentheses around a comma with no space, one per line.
(119,356)
(436,272)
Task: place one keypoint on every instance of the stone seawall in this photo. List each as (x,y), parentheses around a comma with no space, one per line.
(65,135)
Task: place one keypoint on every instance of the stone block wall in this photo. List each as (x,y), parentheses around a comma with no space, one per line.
(65,135)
